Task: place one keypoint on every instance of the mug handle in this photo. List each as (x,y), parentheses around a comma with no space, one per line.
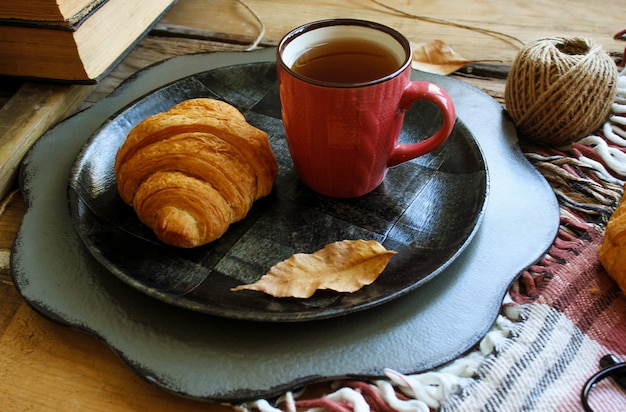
(420,90)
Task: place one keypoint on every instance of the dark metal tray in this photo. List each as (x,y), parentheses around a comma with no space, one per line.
(426,209)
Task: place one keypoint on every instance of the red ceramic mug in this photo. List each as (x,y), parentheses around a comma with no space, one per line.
(343,117)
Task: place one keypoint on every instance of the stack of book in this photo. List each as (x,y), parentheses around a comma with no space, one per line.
(77,41)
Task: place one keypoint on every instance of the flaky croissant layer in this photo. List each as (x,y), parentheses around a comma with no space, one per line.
(192,171)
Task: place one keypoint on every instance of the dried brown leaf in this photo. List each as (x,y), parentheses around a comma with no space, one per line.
(437,57)
(344,266)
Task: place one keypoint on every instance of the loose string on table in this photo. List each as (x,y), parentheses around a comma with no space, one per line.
(507,38)
(261,34)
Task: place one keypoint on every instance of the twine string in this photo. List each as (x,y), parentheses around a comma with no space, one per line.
(560,89)
(506,38)
(511,40)
(261,34)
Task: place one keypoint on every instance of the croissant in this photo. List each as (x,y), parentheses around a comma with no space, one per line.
(190,172)
(612,251)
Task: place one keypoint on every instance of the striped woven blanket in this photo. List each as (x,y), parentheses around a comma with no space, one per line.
(560,317)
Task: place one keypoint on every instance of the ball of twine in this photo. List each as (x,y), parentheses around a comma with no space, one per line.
(560,89)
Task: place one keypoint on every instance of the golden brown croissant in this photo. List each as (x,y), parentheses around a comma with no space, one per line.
(192,171)
(612,251)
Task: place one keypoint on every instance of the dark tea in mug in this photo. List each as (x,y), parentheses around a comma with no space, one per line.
(344,86)
(346,61)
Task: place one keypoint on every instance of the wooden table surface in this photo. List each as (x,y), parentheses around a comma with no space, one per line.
(45,366)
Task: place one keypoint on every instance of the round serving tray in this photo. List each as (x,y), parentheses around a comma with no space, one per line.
(220,359)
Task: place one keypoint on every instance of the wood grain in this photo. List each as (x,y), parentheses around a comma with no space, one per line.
(49,367)
(45,366)
(151,50)
(11,212)
(524,20)
(31,111)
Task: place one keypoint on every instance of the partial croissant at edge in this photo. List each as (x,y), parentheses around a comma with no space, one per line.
(190,172)
(612,251)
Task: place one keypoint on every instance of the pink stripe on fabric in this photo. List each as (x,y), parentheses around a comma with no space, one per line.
(585,293)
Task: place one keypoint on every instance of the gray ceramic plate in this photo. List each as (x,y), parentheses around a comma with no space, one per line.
(220,359)
(426,210)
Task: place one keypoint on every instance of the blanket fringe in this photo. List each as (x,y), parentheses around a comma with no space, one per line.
(402,393)
(588,179)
